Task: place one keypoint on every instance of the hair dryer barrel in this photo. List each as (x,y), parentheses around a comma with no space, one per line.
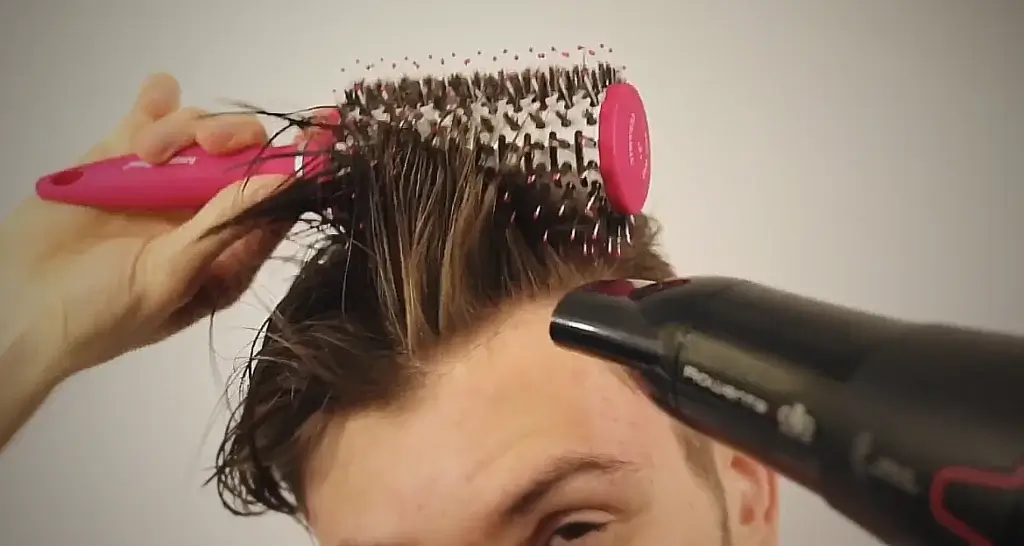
(915,431)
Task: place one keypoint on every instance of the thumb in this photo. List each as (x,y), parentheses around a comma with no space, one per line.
(189,250)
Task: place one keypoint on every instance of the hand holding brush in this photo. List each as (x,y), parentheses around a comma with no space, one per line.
(83,285)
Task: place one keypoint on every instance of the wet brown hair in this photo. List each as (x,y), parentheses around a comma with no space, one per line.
(416,247)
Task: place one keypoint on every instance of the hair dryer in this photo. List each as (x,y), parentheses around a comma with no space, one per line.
(913,431)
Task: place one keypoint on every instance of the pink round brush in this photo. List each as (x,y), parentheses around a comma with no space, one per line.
(596,139)
(186,182)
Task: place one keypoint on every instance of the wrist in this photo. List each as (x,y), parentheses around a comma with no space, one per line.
(26,360)
(28,374)
(33,339)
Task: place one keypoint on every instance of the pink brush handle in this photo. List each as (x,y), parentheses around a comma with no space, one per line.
(186,182)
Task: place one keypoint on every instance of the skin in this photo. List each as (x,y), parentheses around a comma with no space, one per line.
(500,412)
(435,471)
(93,285)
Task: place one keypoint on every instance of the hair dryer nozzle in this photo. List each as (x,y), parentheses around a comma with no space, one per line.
(600,319)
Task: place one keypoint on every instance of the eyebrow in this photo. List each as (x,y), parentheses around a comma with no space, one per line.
(556,473)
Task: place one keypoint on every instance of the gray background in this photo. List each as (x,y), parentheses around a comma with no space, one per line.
(867,152)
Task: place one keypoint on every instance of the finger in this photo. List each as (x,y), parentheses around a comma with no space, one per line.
(225,134)
(167,136)
(244,258)
(188,252)
(158,96)
(230,275)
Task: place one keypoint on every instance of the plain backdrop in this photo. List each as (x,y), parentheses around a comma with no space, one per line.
(867,152)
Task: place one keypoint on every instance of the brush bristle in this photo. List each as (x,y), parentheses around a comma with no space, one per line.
(532,132)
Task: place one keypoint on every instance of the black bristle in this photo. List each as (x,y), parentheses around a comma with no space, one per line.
(550,186)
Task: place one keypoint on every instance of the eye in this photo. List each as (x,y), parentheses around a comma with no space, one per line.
(574,532)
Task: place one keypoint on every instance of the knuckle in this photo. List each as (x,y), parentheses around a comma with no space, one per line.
(230,132)
(189,119)
(192,113)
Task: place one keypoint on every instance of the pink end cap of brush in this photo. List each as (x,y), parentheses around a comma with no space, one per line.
(624,148)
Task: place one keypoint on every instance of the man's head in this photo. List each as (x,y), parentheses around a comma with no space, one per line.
(407,393)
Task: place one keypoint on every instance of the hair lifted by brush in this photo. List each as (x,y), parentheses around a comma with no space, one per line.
(417,246)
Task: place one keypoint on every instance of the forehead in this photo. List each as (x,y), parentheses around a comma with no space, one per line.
(498,408)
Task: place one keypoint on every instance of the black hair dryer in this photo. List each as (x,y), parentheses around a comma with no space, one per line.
(913,431)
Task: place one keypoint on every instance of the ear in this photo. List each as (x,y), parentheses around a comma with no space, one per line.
(752,496)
